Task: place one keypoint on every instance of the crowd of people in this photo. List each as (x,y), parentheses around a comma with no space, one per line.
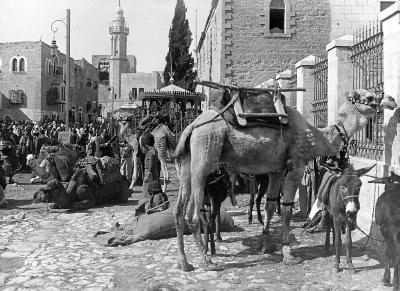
(20,138)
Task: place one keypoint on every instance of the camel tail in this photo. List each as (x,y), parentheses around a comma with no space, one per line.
(182,148)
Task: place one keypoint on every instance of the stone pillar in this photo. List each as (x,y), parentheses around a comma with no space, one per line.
(340,74)
(283,80)
(390,18)
(305,79)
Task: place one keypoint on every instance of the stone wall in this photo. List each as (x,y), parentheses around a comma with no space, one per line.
(37,80)
(256,56)
(349,15)
(27,81)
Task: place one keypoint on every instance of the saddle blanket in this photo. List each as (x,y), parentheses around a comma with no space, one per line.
(325,185)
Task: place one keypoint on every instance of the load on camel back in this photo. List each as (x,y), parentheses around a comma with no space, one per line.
(52,162)
(245,146)
(95,181)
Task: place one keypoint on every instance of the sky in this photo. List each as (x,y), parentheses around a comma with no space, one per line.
(148,20)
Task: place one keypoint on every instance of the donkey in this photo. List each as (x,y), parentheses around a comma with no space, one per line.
(218,187)
(387,216)
(341,207)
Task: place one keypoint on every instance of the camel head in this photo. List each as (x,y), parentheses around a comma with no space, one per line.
(361,106)
(31,161)
(54,192)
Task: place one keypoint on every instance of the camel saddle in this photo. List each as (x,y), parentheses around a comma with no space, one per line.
(249,107)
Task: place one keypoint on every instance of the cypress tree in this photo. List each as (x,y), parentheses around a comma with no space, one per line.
(180,38)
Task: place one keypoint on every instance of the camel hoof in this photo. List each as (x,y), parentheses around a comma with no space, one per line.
(208,259)
(219,239)
(186,267)
(212,252)
(250,221)
(261,221)
(213,267)
(335,270)
(291,260)
(386,283)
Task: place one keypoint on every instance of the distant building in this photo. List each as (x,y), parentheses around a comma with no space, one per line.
(120,83)
(32,84)
(251,41)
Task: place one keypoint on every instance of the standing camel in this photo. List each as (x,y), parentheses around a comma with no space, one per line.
(210,140)
(164,142)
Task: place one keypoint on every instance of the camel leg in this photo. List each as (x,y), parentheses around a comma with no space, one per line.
(292,182)
(396,286)
(251,204)
(328,233)
(338,242)
(164,169)
(263,185)
(206,227)
(386,274)
(348,250)
(197,199)
(179,214)
(270,206)
(217,220)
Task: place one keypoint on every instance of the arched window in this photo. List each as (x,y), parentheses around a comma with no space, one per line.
(14,65)
(277,16)
(55,64)
(21,65)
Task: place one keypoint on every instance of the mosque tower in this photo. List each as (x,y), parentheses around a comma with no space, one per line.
(119,62)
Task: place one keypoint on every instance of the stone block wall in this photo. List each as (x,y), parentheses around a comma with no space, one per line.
(27,81)
(256,56)
(349,15)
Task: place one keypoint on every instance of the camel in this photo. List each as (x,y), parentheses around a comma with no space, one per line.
(210,140)
(164,142)
(52,166)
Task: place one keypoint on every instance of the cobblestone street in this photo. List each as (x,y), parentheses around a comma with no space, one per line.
(41,250)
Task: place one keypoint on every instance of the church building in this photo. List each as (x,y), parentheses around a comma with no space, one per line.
(120,83)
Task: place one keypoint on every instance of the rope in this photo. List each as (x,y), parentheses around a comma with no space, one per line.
(369,236)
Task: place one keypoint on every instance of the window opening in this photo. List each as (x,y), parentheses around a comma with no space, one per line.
(277,16)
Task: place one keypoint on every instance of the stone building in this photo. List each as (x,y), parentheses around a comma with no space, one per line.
(32,83)
(120,82)
(250,41)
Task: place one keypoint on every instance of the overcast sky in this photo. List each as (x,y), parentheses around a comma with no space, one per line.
(148,20)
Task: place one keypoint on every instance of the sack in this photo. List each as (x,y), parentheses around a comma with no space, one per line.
(158,225)
(110,170)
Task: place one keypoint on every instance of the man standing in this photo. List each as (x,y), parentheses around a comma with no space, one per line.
(126,151)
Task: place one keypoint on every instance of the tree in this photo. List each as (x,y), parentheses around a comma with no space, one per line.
(180,39)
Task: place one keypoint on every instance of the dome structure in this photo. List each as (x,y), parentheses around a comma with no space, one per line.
(119,11)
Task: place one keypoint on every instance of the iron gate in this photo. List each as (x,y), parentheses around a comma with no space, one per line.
(320,102)
(367,60)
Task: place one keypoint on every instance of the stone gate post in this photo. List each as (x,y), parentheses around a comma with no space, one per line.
(340,74)
(283,80)
(390,19)
(305,79)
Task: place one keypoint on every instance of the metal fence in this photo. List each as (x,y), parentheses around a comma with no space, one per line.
(367,60)
(320,102)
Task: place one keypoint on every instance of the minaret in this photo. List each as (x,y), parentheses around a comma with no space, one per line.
(118,61)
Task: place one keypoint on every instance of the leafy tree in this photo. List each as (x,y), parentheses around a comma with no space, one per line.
(180,38)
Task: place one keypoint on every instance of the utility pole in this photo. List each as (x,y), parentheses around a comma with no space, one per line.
(67,89)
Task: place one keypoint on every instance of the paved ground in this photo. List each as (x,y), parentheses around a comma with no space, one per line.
(40,250)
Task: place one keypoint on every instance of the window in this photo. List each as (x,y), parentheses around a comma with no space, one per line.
(277,16)
(141,92)
(22,65)
(134,93)
(14,65)
(55,64)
